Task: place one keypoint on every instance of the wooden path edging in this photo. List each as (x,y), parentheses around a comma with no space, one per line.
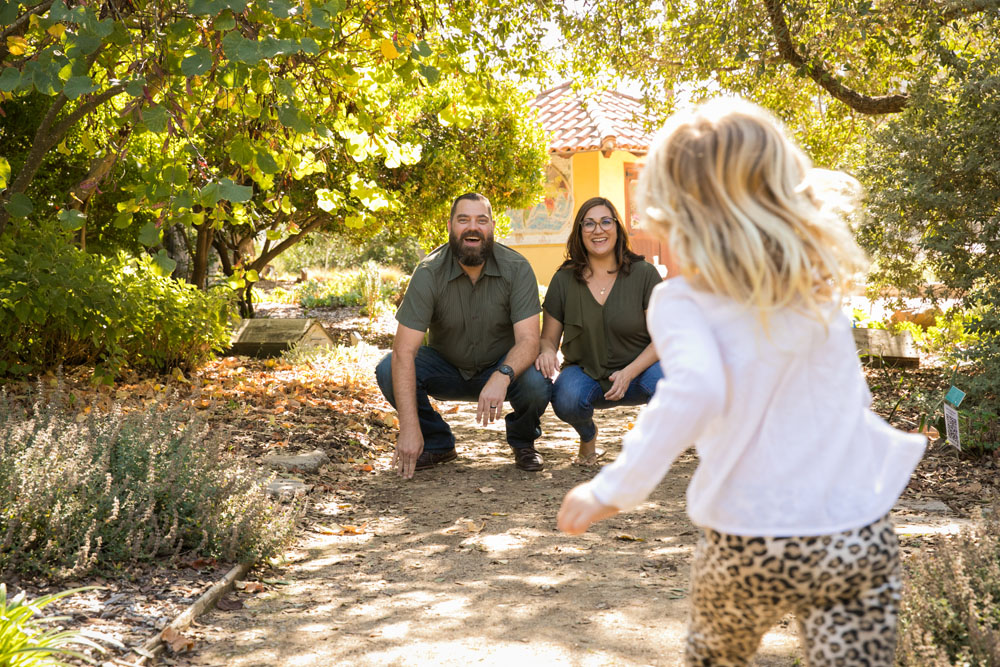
(154,646)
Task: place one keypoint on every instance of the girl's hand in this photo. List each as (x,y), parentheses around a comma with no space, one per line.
(580,508)
(547,363)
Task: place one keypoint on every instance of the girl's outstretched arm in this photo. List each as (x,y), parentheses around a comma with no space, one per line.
(580,508)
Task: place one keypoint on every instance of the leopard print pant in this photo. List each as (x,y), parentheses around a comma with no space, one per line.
(843,588)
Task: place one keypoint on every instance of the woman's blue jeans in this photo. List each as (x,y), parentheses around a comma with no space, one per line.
(528,396)
(575,396)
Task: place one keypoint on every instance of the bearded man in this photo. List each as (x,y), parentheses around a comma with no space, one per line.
(478,302)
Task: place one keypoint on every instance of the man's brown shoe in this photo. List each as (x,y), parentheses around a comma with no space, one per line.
(526,458)
(429,459)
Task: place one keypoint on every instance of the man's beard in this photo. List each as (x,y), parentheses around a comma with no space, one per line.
(471,256)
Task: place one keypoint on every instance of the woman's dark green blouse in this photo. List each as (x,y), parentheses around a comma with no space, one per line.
(602,339)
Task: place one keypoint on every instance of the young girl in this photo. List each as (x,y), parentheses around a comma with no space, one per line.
(796,474)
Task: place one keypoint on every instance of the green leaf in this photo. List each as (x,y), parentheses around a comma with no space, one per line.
(8,11)
(224,21)
(423,49)
(210,194)
(328,200)
(82,44)
(149,235)
(446,117)
(163,262)
(175,174)
(205,7)
(266,162)
(135,86)
(241,151)
(20,205)
(198,61)
(309,46)
(430,73)
(280,8)
(71,219)
(155,118)
(234,192)
(292,119)
(123,220)
(10,79)
(4,172)
(251,276)
(79,85)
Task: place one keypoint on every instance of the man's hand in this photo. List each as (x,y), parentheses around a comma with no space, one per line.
(620,381)
(491,398)
(409,445)
(580,509)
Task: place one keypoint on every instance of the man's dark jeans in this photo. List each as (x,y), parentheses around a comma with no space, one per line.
(528,395)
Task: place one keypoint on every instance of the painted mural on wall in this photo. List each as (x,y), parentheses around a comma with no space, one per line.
(550,220)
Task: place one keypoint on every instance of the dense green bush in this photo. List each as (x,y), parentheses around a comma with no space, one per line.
(60,305)
(951,601)
(330,251)
(933,177)
(369,286)
(97,491)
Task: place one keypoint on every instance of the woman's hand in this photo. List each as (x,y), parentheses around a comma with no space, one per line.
(620,381)
(581,509)
(547,362)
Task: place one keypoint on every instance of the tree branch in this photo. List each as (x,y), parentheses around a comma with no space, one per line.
(265,257)
(961,8)
(46,137)
(22,19)
(867,104)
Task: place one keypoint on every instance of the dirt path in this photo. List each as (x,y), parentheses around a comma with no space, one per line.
(463,565)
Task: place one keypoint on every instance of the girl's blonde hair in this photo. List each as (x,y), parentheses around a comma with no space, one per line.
(745,214)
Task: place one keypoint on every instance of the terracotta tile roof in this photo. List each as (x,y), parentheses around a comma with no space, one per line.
(604,121)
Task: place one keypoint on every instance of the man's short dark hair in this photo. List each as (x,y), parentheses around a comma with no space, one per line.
(472,196)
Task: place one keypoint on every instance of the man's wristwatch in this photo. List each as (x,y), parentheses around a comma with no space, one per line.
(506,370)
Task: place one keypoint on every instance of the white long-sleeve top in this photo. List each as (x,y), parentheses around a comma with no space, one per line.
(780,419)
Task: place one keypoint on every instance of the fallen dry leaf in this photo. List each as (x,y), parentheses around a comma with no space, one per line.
(452,410)
(465,524)
(226,603)
(337,529)
(175,641)
(486,489)
(629,538)
(249,586)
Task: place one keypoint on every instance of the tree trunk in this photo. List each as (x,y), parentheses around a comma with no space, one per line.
(203,246)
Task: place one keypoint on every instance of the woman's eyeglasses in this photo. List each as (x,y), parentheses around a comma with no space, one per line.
(589,224)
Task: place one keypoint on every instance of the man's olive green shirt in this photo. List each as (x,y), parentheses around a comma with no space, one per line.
(470,325)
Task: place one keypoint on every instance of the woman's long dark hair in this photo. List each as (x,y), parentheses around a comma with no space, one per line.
(576,252)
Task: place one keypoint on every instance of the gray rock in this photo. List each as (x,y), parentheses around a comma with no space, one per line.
(922,506)
(285,489)
(310,462)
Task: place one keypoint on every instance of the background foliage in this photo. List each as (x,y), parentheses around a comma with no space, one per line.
(245,125)
(60,305)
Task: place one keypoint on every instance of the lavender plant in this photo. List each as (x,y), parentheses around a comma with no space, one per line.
(107,490)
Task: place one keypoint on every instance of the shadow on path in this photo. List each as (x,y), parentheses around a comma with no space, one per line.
(463,565)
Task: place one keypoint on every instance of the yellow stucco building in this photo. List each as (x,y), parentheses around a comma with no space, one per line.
(596,144)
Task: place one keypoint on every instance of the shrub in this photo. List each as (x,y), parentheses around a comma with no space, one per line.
(932,179)
(59,305)
(26,642)
(102,491)
(341,289)
(951,601)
